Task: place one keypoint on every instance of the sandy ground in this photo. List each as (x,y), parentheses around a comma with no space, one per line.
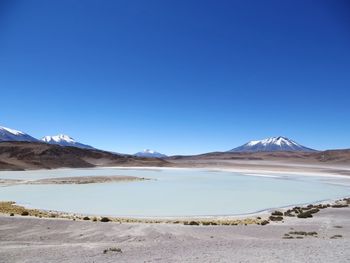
(267,166)
(73,180)
(25,239)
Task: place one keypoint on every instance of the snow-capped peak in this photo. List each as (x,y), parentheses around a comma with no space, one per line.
(148,151)
(150,154)
(58,138)
(64,140)
(274,140)
(279,143)
(14,132)
(7,134)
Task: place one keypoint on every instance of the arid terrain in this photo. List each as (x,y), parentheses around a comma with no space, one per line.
(323,238)
(328,162)
(34,155)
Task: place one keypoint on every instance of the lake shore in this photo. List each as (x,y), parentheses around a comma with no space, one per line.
(263,168)
(322,238)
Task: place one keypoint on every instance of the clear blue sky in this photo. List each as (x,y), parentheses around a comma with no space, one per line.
(180,77)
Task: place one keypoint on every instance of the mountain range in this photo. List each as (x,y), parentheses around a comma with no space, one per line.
(20,151)
(272,144)
(12,135)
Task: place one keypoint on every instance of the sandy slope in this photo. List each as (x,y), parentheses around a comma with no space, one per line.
(54,240)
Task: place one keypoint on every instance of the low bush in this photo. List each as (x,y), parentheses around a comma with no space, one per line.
(340,205)
(276,218)
(264,222)
(25,213)
(306,214)
(277,213)
(105,219)
(112,249)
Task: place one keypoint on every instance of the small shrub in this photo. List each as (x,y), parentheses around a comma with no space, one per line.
(276,218)
(25,213)
(277,213)
(303,233)
(304,214)
(86,218)
(314,210)
(264,222)
(336,236)
(115,249)
(340,205)
(112,249)
(105,219)
(12,214)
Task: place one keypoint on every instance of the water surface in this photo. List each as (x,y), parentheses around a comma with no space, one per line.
(171,192)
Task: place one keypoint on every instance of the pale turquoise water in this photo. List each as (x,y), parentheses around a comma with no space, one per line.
(174,192)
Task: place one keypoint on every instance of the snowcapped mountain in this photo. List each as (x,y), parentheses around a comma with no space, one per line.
(150,154)
(272,144)
(7,134)
(65,140)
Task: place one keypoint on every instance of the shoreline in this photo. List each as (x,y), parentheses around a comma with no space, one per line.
(260,217)
(323,238)
(259,169)
(251,172)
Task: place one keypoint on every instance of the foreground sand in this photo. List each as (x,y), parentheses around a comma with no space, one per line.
(25,239)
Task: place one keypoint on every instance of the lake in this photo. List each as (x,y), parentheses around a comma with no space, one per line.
(171,192)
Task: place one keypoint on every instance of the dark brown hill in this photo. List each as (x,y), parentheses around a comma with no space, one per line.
(35,155)
(329,156)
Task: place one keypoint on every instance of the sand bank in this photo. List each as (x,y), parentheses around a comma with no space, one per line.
(74,180)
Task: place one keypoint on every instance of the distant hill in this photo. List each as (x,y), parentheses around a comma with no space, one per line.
(150,154)
(249,159)
(273,144)
(36,155)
